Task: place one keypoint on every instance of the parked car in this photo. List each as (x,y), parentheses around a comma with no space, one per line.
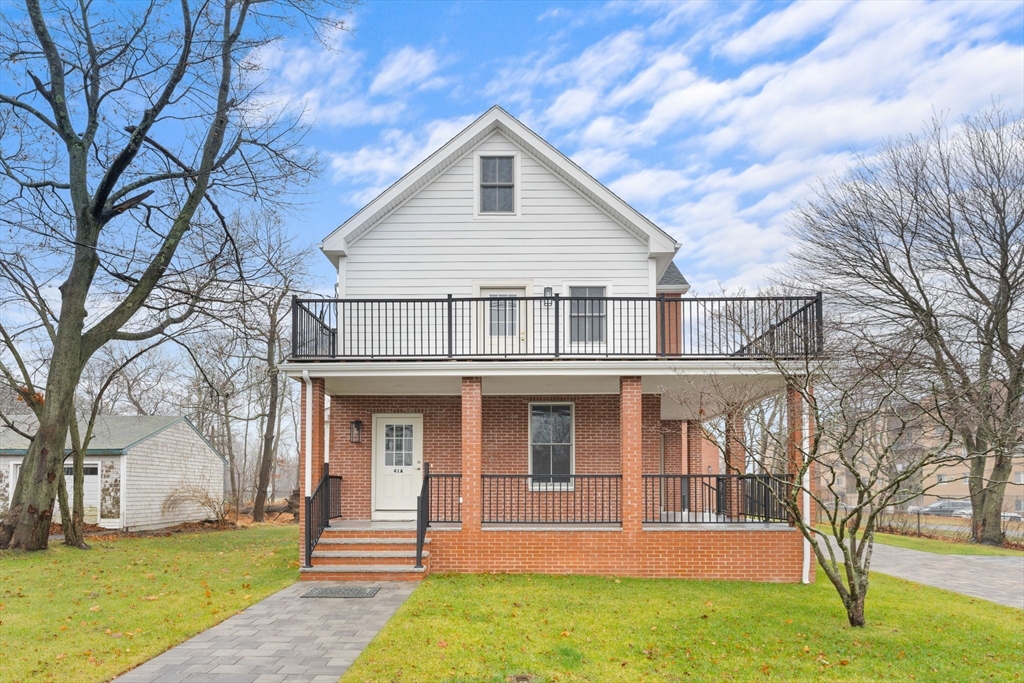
(1012,517)
(948,508)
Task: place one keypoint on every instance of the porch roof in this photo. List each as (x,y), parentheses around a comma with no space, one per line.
(689,390)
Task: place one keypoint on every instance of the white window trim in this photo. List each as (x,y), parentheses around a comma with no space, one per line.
(516,190)
(533,486)
(593,347)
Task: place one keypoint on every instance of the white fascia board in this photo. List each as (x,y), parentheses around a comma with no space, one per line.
(497,119)
(468,368)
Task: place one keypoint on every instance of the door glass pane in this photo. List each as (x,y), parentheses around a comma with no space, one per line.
(503,315)
(398,448)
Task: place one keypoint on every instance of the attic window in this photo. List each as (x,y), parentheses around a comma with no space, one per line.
(497,185)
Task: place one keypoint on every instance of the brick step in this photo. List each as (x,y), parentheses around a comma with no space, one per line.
(362,573)
(398,559)
(369,544)
(369,533)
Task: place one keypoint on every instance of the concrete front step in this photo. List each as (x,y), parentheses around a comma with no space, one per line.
(364,572)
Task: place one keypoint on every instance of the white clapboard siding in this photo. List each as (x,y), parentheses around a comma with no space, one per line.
(433,245)
(172,460)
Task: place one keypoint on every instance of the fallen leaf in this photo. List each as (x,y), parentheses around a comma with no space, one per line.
(442,644)
(94,608)
(565,634)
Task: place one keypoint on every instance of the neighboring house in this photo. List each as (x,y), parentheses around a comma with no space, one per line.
(511,359)
(141,472)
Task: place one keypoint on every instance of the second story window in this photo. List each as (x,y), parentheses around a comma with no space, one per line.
(587,318)
(497,185)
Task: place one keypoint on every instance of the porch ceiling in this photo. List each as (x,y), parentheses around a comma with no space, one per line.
(687,392)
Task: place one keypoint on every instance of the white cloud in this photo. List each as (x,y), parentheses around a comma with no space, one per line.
(649,185)
(792,23)
(404,69)
(378,165)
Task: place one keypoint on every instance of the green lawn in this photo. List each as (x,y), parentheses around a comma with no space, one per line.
(72,615)
(501,628)
(931,545)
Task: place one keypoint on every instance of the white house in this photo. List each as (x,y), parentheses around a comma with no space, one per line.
(514,377)
(141,472)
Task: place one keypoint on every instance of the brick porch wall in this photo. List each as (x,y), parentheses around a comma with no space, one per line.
(773,556)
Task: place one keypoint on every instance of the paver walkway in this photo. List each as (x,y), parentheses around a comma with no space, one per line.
(281,638)
(999,579)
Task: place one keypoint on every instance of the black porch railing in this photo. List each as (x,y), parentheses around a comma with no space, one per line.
(323,505)
(569,499)
(732,498)
(440,500)
(556,327)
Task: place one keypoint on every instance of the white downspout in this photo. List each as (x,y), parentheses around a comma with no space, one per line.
(806,492)
(309,432)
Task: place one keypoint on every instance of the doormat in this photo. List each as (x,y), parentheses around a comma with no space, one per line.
(342,592)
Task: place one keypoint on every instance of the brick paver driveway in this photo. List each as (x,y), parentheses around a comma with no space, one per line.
(999,579)
(282,638)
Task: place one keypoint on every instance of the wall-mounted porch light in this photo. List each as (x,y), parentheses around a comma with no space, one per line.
(548,293)
(355,431)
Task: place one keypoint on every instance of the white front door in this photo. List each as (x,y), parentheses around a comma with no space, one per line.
(505,320)
(397,465)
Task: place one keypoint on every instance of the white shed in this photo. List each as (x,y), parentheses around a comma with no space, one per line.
(141,472)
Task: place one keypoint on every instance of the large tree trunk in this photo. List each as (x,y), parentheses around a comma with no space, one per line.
(987,498)
(267,457)
(27,524)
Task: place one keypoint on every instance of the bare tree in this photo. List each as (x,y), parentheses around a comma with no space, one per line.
(266,322)
(847,420)
(925,241)
(124,128)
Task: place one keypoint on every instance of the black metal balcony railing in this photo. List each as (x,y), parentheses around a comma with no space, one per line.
(556,327)
(714,498)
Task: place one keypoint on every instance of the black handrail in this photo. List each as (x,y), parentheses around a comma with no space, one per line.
(557,327)
(422,514)
(318,512)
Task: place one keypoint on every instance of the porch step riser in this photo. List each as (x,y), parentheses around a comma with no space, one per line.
(369,533)
(357,561)
(367,547)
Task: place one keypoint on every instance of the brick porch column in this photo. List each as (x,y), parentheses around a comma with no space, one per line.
(312,449)
(735,462)
(632,450)
(695,467)
(472,452)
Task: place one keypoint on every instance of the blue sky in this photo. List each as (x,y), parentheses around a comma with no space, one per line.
(710,118)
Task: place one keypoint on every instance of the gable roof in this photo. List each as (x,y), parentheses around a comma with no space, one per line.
(112,434)
(660,244)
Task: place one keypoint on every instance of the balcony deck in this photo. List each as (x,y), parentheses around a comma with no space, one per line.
(563,328)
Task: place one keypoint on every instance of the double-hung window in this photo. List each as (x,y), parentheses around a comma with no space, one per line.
(497,185)
(588,318)
(551,434)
